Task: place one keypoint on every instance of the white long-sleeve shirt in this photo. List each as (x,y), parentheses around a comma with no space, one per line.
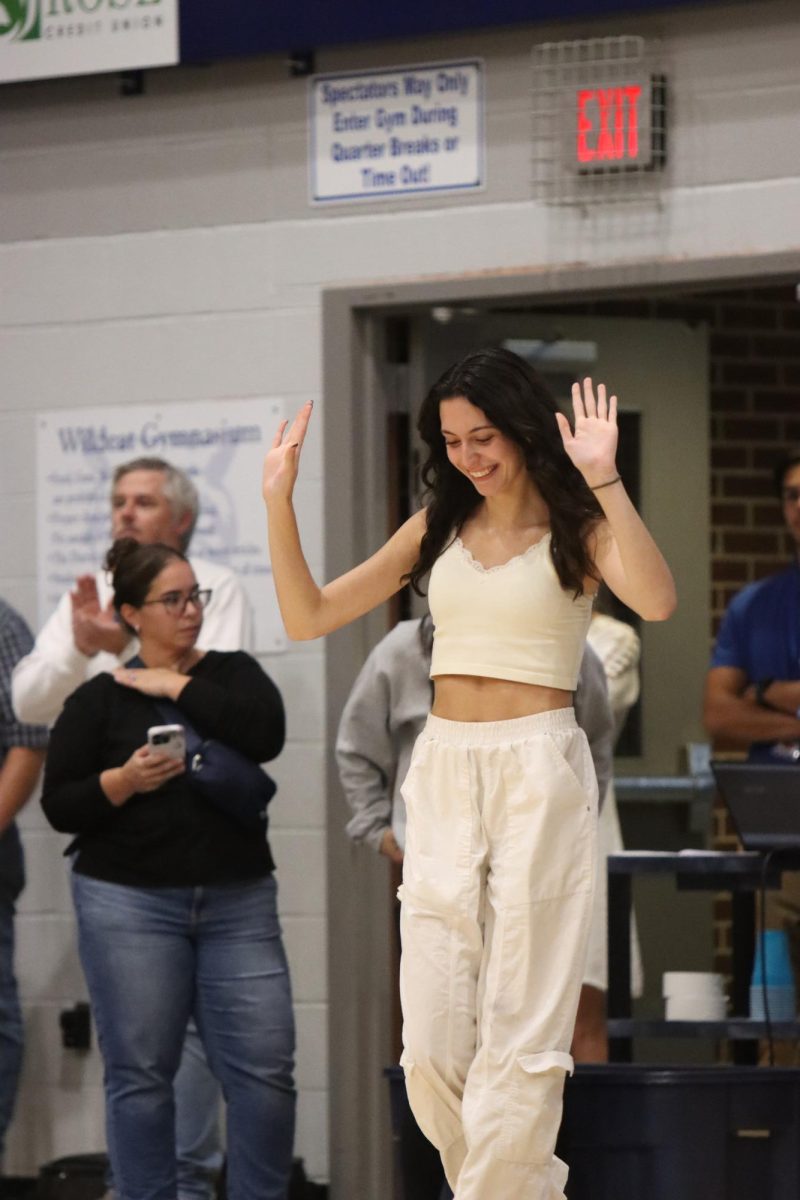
(55,667)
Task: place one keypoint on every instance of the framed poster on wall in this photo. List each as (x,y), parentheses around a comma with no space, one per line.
(219,444)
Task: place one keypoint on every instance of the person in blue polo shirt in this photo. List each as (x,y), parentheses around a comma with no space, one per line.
(752,693)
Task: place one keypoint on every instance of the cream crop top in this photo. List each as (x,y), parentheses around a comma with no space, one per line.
(514,621)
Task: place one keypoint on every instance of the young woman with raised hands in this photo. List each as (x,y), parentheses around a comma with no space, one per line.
(525,515)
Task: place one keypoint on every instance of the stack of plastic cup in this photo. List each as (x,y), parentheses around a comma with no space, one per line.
(772,964)
(694,996)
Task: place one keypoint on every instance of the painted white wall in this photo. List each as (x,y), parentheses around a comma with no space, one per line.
(161,248)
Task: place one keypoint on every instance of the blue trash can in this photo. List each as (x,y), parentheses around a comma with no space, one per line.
(633,1132)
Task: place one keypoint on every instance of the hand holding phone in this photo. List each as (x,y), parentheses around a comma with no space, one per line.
(148,768)
(167,739)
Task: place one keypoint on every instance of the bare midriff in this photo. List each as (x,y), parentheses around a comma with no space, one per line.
(475,698)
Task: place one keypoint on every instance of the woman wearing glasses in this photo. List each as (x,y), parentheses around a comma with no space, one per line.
(176,901)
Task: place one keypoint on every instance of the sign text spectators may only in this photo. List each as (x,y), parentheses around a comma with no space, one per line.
(395,133)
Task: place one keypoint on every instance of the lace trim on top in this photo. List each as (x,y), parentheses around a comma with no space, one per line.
(482,570)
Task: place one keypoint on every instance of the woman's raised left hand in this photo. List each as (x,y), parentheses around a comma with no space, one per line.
(593,445)
(152,681)
(283,457)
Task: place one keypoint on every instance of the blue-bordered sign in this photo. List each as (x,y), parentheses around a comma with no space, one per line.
(398,132)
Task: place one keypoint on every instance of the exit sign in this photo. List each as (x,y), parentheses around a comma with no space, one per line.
(621,126)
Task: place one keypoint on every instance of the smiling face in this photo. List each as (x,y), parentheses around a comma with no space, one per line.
(477,448)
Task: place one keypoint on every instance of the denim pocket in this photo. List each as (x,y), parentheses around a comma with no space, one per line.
(533,1114)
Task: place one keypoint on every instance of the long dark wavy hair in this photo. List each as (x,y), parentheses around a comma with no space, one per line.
(514,399)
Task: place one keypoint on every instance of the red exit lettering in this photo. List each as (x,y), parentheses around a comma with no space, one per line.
(608,124)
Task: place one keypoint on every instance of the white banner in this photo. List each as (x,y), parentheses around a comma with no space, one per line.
(40,39)
(397,133)
(220,445)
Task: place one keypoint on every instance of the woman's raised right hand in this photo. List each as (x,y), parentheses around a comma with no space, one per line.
(283,457)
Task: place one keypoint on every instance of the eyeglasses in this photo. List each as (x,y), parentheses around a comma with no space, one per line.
(175,603)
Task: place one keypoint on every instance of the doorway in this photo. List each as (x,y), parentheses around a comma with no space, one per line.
(354,339)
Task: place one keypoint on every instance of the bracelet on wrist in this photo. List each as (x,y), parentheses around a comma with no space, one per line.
(608,483)
(761,688)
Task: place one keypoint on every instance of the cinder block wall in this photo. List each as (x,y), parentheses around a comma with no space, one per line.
(163,248)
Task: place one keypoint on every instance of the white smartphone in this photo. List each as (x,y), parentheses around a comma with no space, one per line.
(167,739)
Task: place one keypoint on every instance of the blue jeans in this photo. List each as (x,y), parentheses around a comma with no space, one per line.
(198,1139)
(152,958)
(12,881)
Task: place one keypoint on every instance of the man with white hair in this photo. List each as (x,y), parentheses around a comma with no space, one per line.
(151,501)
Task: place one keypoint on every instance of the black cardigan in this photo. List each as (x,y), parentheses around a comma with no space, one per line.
(171,837)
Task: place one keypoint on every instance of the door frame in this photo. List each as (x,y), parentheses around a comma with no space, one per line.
(355,518)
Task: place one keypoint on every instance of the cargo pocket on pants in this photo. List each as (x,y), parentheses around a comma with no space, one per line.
(439,1124)
(534,1108)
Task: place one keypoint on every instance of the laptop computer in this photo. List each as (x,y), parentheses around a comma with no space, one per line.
(764,803)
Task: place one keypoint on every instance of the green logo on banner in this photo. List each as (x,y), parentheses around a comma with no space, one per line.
(20,20)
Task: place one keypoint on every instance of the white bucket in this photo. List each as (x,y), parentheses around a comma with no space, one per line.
(695,1006)
(678,983)
(694,996)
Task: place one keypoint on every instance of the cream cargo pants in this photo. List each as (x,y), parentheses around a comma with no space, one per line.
(496,904)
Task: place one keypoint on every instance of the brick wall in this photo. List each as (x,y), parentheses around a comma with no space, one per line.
(754,346)
(755,416)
